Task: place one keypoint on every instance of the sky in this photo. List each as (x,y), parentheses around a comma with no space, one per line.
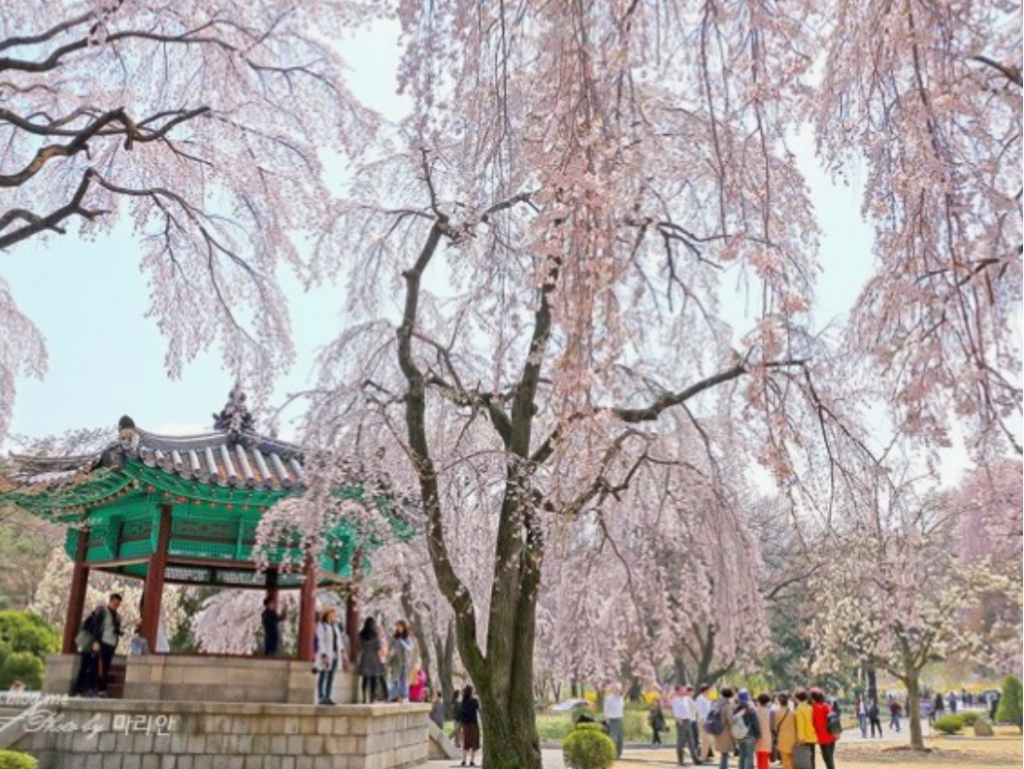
(89,300)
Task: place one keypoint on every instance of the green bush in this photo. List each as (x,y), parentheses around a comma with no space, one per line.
(969,717)
(24,667)
(1011,703)
(949,724)
(23,631)
(588,747)
(25,640)
(12,759)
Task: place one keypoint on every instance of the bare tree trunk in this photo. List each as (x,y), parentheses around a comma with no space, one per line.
(913,683)
(871,673)
(445,650)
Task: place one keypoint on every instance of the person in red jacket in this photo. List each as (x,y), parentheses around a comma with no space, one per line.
(820,711)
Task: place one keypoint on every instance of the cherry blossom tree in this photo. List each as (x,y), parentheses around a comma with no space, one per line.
(927,96)
(662,581)
(988,506)
(895,594)
(575,184)
(198,125)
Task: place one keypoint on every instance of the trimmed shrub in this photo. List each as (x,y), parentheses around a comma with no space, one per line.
(982,728)
(12,759)
(970,717)
(588,747)
(948,724)
(1011,703)
(24,667)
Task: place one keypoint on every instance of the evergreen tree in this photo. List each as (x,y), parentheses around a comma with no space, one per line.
(1011,703)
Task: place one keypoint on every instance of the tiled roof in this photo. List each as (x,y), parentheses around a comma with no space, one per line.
(233,455)
(225,459)
(220,458)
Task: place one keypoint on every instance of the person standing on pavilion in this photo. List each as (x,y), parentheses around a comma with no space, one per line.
(371,662)
(162,645)
(109,638)
(88,644)
(330,645)
(271,620)
(402,662)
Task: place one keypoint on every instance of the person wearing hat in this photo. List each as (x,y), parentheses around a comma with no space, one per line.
(744,713)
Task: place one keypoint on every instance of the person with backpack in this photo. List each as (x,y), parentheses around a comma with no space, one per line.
(109,637)
(826,727)
(784,731)
(87,641)
(745,729)
(806,736)
(719,726)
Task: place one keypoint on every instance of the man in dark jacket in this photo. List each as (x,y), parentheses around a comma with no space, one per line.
(271,627)
(109,637)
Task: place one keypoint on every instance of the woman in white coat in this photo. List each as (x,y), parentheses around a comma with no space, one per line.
(330,650)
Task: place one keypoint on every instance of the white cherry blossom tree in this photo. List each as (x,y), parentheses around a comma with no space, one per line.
(199,126)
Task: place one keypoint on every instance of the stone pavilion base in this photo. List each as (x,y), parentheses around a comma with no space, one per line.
(208,678)
(126,734)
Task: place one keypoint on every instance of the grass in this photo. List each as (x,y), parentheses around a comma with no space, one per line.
(553,727)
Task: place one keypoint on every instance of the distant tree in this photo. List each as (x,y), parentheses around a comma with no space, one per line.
(894,595)
(25,546)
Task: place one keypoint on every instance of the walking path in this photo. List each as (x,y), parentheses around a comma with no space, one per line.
(639,754)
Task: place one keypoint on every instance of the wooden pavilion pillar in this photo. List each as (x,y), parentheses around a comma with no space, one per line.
(153,592)
(76,596)
(307,612)
(352,608)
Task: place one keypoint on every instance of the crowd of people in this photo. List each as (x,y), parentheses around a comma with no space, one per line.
(793,729)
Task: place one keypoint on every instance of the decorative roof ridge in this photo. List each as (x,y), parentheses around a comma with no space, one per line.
(42,459)
(214,438)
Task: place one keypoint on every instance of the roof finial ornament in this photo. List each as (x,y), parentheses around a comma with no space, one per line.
(235,417)
(127,434)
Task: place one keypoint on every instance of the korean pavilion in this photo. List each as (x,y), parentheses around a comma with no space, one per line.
(184,510)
